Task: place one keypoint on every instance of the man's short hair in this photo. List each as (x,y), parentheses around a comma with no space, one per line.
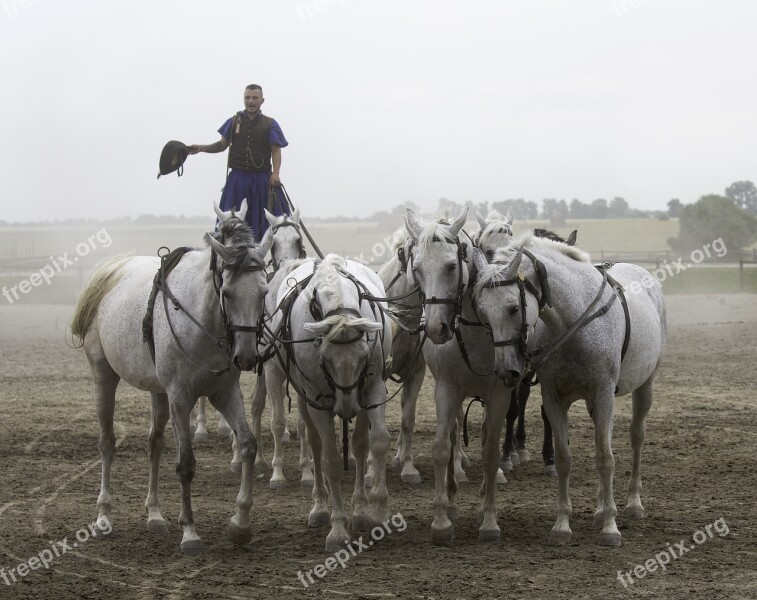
(255,86)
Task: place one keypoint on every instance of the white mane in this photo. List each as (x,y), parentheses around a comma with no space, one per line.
(495,224)
(529,240)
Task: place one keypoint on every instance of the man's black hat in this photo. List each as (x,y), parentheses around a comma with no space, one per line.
(172,158)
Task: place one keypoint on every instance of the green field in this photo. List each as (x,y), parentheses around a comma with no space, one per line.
(358,239)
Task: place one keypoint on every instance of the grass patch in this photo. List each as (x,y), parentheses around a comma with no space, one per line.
(711,280)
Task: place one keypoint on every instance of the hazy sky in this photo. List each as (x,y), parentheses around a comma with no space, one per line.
(382,101)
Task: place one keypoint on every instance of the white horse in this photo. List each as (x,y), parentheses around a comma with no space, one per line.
(211,300)
(408,364)
(582,347)
(333,344)
(438,263)
(287,245)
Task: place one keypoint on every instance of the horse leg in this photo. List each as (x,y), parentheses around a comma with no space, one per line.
(333,467)
(224,430)
(360,521)
(520,437)
(231,406)
(452,512)
(557,411)
(106,382)
(306,462)
(378,435)
(160,414)
(601,409)
(507,446)
(201,423)
(447,406)
(496,409)
(642,401)
(404,456)
(319,515)
(462,461)
(181,408)
(548,448)
(275,382)
(258,404)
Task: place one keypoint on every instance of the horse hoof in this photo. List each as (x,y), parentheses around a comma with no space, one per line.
(507,465)
(193,548)
(278,484)
(560,538)
(514,458)
(236,468)
(224,431)
(634,512)
(465,461)
(610,539)
(442,537)
(369,481)
(488,535)
(238,535)
(524,456)
(461,477)
(550,470)
(335,545)
(201,437)
(100,534)
(285,438)
(500,478)
(157,526)
(452,513)
(361,524)
(319,519)
(307,483)
(411,478)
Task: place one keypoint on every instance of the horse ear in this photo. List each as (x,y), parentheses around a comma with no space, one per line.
(266,242)
(458,223)
(296,216)
(573,237)
(413,224)
(478,261)
(317,328)
(514,265)
(481,220)
(270,218)
(222,216)
(242,212)
(368,326)
(220,249)
(509,215)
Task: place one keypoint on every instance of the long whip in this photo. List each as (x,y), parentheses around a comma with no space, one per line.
(304,229)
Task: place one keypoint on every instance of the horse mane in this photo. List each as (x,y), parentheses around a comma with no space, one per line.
(400,236)
(550,235)
(103,281)
(326,281)
(433,233)
(528,240)
(236,235)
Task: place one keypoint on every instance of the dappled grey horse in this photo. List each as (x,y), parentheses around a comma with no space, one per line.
(204,326)
(551,309)
(461,367)
(332,344)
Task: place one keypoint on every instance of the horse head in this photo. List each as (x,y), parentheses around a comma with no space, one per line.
(287,237)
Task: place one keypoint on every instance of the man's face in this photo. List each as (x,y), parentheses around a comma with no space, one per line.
(252,100)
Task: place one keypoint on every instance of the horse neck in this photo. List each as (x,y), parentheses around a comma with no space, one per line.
(573,286)
(198,287)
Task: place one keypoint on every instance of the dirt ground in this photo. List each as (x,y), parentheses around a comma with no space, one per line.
(699,466)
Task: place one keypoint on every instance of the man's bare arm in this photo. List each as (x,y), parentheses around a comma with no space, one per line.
(218,146)
(276,163)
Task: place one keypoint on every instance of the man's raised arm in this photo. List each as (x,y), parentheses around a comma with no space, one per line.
(219,146)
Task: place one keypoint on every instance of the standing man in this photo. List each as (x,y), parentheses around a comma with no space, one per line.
(254,161)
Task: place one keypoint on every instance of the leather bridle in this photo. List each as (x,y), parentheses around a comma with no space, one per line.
(287,222)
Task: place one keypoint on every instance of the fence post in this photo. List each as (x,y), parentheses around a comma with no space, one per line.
(741,274)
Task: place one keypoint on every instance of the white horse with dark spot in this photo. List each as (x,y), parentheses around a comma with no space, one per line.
(204,324)
(576,345)
(335,358)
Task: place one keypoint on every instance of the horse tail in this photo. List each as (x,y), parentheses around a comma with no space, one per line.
(104,279)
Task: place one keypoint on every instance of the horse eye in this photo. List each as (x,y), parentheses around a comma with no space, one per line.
(489,255)
(513,309)
(450,267)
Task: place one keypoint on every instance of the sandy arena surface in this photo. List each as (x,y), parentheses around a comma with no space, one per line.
(699,466)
